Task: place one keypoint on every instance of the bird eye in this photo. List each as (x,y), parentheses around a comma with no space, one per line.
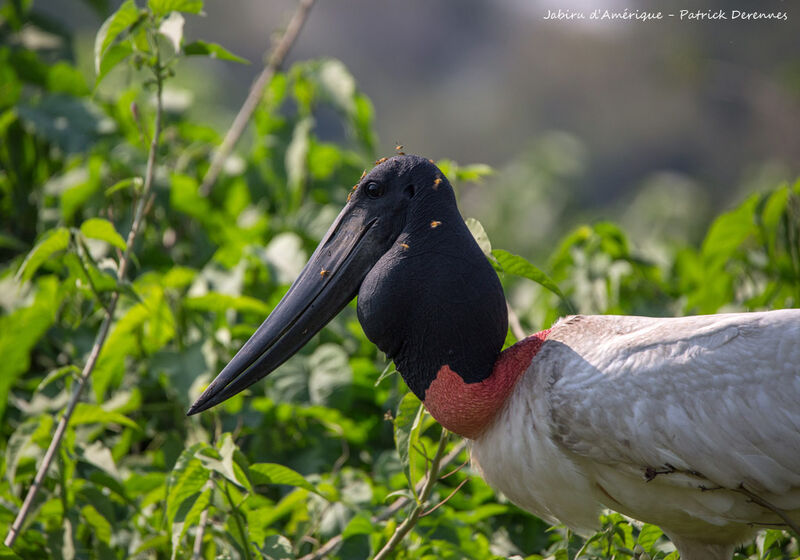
(374,190)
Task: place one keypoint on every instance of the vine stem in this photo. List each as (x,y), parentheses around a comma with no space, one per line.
(102,334)
(410,521)
(239,125)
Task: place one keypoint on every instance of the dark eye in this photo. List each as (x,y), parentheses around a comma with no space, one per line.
(374,190)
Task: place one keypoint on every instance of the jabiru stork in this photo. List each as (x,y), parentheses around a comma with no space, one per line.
(692,423)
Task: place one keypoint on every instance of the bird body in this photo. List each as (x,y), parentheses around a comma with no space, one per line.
(689,423)
(678,422)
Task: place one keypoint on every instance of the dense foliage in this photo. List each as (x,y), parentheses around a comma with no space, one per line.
(331,448)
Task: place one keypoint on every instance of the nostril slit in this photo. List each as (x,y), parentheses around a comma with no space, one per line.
(410,190)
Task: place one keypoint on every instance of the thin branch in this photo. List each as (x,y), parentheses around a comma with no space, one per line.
(447,499)
(755,498)
(396,506)
(102,334)
(513,322)
(256,91)
(409,523)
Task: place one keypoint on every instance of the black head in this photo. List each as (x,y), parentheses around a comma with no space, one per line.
(427,296)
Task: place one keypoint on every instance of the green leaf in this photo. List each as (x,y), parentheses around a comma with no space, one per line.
(204,48)
(273,473)
(163,7)
(101,528)
(277,547)
(186,480)
(648,536)
(729,231)
(53,242)
(359,525)
(188,514)
(519,266)
(408,416)
(221,461)
(118,22)
(99,228)
(113,56)
(86,413)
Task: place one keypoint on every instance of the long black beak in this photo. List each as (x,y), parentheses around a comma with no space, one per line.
(328,282)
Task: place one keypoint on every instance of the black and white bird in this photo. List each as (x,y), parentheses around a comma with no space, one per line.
(692,423)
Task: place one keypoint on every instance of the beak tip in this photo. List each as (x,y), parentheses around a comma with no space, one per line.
(201,404)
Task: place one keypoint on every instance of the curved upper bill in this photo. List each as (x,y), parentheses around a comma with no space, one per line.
(330,279)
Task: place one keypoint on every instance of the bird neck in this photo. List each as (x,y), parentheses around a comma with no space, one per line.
(433,303)
(468,408)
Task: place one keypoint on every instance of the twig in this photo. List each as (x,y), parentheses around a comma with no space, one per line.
(102,334)
(755,498)
(256,90)
(406,526)
(443,502)
(396,506)
(513,322)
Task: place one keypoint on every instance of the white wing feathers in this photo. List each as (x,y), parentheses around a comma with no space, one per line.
(715,397)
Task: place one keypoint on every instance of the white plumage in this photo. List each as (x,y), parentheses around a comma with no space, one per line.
(685,423)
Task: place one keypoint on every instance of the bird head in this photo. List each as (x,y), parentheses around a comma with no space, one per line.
(427,296)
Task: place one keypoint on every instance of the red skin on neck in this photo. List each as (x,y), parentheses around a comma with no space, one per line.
(468,408)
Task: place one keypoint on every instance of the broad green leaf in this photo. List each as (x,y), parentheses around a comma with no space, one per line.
(186,480)
(273,473)
(408,416)
(648,536)
(213,50)
(118,22)
(729,231)
(514,264)
(113,56)
(277,547)
(163,7)
(222,461)
(54,242)
(99,228)
(86,413)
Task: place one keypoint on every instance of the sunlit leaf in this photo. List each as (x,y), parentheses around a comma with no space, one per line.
(54,242)
(480,236)
(99,228)
(118,22)
(86,413)
(163,7)
(519,266)
(213,50)
(273,473)
(101,527)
